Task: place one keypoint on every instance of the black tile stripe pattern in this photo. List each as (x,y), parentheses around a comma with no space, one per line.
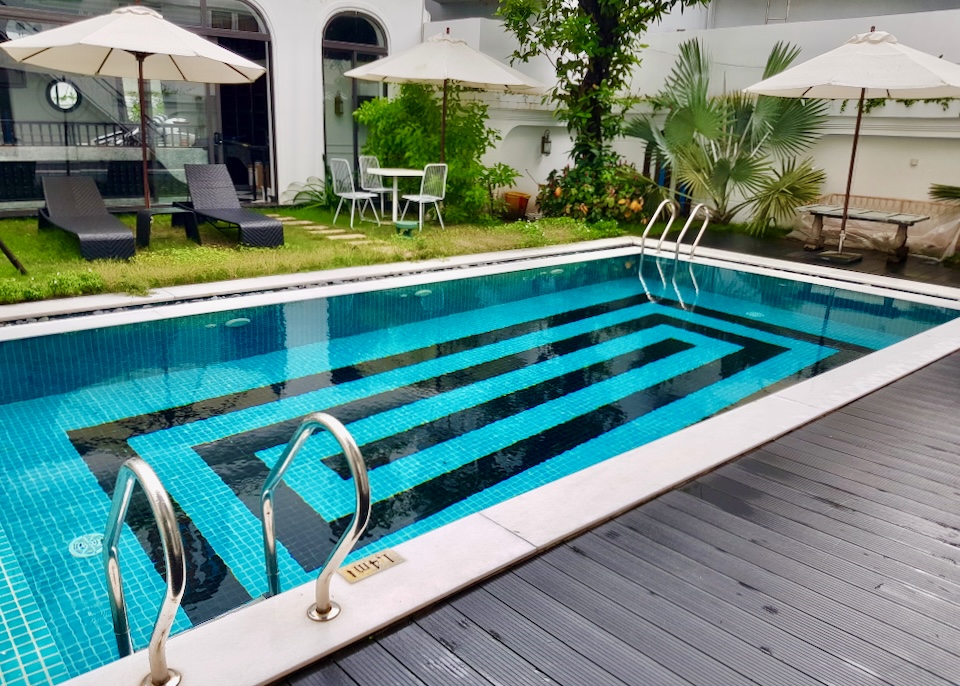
(308,536)
(105,447)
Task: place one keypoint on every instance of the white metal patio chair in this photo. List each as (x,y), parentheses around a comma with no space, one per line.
(432,189)
(372,183)
(343,188)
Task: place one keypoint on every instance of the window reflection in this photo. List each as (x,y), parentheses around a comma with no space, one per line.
(91,125)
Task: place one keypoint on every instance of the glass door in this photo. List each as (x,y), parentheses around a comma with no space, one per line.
(350,40)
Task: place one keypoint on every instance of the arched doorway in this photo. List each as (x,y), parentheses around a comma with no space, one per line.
(350,40)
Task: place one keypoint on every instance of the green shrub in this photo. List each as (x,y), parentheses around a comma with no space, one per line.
(68,284)
(405,132)
(620,193)
(314,193)
(494,178)
(59,285)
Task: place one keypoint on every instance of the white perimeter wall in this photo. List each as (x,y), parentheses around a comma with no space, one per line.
(729,13)
(892,136)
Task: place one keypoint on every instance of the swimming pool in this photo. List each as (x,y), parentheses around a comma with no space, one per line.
(462,394)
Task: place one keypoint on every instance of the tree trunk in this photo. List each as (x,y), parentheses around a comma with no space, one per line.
(591,149)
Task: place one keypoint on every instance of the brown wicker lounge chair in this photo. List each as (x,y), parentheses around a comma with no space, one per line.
(213,198)
(73,204)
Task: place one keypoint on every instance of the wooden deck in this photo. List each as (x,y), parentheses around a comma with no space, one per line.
(829,556)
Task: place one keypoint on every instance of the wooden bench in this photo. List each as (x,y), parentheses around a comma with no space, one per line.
(902,220)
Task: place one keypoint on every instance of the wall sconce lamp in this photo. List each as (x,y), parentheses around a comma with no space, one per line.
(545,143)
(338,104)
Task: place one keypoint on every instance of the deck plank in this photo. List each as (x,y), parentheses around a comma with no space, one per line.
(324,674)
(822,552)
(797,619)
(883,553)
(698,640)
(373,664)
(479,649)
(828,556)
(535,645)
(430,661)
(853,457)
(778,583)
(907,456)
(941,538)
(616,643)
(869,487)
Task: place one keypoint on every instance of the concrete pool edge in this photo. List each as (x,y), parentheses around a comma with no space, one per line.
(236,649)
(172,294)
(226,295)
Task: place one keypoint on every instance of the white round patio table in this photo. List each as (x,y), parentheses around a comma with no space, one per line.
(396,173)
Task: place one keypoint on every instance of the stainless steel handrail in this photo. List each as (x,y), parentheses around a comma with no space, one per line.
(703,229)
(674,210)
(674,213)
(683,231)
(676,287)
(132,471)
(325,609)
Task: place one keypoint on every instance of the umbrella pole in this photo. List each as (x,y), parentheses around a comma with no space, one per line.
(853,158)
(443,123)
(143,127)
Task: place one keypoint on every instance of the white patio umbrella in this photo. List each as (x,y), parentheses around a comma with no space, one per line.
(134,42)
(869,65)
(443,59)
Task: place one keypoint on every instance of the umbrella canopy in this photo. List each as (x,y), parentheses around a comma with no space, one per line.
(869,65)
(133,42)
(443,59)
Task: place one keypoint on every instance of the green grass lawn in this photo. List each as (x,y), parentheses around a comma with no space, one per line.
(55,268)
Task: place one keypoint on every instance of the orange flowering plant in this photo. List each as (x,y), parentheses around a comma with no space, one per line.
(617,192)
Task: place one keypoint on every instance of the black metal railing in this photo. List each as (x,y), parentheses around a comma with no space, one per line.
(164,134)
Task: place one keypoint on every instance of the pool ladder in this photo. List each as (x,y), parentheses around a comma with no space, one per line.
(674,211)
(136,470)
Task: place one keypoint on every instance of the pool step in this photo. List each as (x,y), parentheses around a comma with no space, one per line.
(28,654)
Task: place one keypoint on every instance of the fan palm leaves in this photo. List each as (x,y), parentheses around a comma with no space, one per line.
(734,150)
(945,193)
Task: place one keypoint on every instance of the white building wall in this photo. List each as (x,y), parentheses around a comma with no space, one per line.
(733,13)
(296,30)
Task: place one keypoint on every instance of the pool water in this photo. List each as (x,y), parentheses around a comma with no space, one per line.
(461,394)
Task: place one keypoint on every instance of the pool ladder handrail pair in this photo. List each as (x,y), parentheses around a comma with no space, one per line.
(674,211)
(136,470)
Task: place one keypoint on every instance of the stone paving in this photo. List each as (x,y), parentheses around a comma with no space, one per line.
(329,232)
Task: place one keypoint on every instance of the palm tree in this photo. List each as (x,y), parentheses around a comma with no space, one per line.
(945,193)
(735,151)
